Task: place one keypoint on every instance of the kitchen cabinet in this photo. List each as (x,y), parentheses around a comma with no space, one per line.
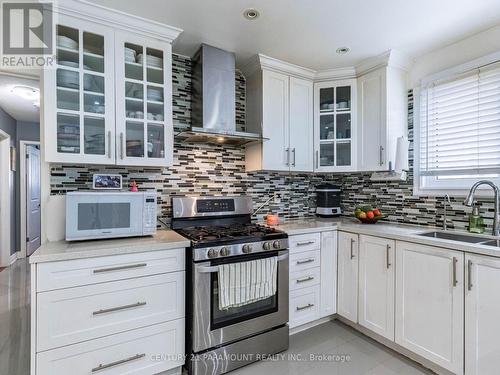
(108,100)
(482,310)
(383,117)
(279,106)
(328,273)
(376,285)
(347,280)
(335,126)
(430,303)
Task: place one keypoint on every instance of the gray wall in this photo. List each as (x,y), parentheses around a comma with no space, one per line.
(26,131)
(8,125)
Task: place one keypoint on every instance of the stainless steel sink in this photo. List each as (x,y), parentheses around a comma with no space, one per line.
(495,243)
(456,237)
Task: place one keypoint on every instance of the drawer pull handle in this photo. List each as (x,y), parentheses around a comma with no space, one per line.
(469,275)
(304,243)
(352,248)
(305,279)
(117,363)
(305,261)
(454,272)
(121,268)
(308,306)
(119,308)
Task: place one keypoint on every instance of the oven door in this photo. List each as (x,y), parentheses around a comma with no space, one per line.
(213,327)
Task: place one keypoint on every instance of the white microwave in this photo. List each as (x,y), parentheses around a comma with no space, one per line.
(105,214)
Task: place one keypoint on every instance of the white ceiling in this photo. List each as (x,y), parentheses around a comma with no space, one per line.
(18,108)
(307,32)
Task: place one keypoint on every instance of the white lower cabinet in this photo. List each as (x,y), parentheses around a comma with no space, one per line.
(328,273)
(430,304)
(347,296)
(482,313)
(304,305)
(376,285)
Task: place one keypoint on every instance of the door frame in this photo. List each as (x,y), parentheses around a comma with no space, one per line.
(22,190)
(5,208)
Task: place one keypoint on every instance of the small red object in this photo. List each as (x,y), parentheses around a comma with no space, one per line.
(272,220)
(134,187)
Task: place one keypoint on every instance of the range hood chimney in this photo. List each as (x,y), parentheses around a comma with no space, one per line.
(214,96)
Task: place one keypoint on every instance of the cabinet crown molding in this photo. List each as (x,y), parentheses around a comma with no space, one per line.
(390,58)
(110,17)
(261,61)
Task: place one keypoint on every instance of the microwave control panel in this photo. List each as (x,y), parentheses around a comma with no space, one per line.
(149,221)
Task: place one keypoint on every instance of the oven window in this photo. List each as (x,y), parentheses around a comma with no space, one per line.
(223,318)
(103,216)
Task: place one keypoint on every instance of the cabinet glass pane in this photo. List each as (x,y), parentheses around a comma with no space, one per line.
(156,141)
(68,133)
(343,153)
(135,139)
(154,65)
(93,83)
(326,99)
(68,99)
(327,127)
(93,103)
(68,79)
(67,46)
(93,52)
(343,126)
(327,155)
(155,103)
(133,65)
(343,98)
(134,103)
(94,135)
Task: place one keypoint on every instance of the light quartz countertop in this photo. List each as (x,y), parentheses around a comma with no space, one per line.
(395,231)
(64,250)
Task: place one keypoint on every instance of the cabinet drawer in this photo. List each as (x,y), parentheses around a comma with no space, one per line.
(305,278)
(73,315)
(306,260)
(149,350)
(304,305)
(70,273)
(304,242)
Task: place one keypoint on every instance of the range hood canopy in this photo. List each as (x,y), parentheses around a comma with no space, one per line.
(214,97)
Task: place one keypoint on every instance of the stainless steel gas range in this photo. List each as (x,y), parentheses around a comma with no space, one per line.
(221,232)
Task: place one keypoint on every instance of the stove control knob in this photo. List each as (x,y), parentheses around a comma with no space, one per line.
(247,249)
(224,252)
(212,253)
(276,244)
(267,245)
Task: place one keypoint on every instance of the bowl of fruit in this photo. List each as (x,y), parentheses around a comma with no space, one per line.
(368,214)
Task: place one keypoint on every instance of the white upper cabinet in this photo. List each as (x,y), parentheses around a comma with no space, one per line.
(383,117)
(109,100)
(335,126)
(279,106)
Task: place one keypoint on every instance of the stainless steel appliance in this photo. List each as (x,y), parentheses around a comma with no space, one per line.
(328,200)
(221,232)
(106,214)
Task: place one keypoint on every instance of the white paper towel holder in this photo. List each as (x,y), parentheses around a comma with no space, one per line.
(401,159)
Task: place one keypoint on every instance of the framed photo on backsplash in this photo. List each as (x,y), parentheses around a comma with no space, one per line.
(107,182)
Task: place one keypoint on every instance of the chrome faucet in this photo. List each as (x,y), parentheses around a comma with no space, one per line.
(469,201)
(446,201)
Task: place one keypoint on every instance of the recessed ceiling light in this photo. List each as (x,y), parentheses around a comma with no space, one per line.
(251,14)
(343,50)
(26,92)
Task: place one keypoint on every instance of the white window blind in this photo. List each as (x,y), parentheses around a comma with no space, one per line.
(460,124)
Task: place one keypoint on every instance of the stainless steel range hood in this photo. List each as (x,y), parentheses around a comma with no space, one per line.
(214,96)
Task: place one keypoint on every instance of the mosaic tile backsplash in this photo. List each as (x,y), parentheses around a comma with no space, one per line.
(220,170)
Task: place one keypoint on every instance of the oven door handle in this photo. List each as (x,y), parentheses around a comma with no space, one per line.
(211,269)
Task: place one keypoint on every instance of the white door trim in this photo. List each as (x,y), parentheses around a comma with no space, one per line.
(4,199)
(22,197)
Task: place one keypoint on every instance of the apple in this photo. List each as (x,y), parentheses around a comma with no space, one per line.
(377,212)
(370,215)
(362,215)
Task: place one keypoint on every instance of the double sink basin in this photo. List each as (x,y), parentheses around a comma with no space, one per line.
(479,240)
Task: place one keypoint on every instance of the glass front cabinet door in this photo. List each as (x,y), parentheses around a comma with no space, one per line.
(143,108)
(334,126)
(78,96)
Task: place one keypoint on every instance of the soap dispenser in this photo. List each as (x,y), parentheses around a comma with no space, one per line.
(476,222)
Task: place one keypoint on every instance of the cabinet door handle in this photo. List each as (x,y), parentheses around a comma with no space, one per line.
(117,363)
(121,146)
(293,153)
(388,256)
(120,268)
(310,260)
(305,279)
(305,243)
(317,159)
(109,144)
(381,160)
(469,274)
(119,308)
(352,248)
(455,281)
(287,150)
(308,306)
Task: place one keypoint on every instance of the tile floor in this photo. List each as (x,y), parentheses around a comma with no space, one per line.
(366,356)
